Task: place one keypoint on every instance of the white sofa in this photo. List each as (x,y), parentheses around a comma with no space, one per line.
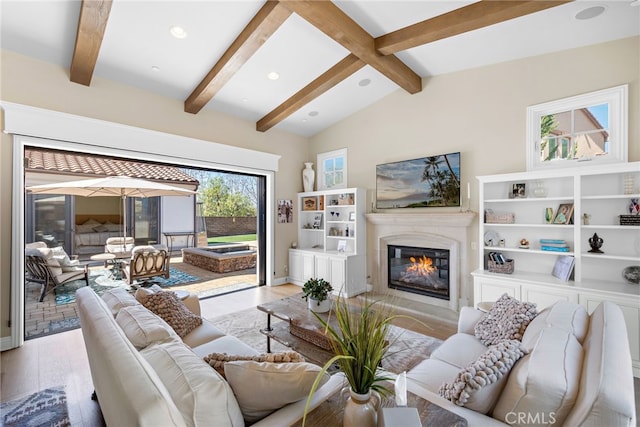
(577,371)
(154,378)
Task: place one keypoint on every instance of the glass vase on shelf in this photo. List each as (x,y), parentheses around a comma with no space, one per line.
(539,189)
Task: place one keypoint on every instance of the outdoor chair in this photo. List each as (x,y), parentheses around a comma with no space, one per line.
(43,268)
(147,262)
(119,245)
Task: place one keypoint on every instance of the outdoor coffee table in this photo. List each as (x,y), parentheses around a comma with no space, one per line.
(115,260)
(330,412)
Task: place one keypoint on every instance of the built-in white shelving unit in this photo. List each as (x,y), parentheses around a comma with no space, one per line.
(598,195)
(331,240)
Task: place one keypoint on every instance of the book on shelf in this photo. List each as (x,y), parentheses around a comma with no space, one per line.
(556,241)
(555,245)
(554,248)
(563,267)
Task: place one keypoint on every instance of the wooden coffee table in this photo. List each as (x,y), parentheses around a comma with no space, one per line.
(293,310)
(330,412)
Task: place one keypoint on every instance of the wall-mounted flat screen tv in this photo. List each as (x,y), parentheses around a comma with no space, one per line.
(432,181)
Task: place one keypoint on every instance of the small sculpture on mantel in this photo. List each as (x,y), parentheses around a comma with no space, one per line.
(596,243)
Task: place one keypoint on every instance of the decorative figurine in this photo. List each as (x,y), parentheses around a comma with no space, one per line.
(524,244)
(596,243)
(586,218)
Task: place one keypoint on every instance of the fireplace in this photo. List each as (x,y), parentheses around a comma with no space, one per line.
(440,233)
(423,271)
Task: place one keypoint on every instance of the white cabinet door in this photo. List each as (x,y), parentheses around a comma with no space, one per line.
(489,289)
(338,274)
(308,266)
(301,266)
(544,296)
(323,268)
(295,267)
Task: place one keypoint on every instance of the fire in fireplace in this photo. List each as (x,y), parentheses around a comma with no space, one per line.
(423,271)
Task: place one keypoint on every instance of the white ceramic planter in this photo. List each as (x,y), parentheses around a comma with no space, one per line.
(319,306)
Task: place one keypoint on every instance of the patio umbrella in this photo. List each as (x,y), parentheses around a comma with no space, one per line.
(123,186)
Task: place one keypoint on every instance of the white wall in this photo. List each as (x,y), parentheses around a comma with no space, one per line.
(481,113)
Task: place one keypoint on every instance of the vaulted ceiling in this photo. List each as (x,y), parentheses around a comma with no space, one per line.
(332,58)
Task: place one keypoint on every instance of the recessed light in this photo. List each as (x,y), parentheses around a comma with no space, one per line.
(304,120)
(273,76)
(245,99)
(590,13)
(178,32)
(313,113)
(155,68)
(364,82)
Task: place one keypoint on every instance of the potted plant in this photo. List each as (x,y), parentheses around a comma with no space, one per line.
(359,342)
(316,293)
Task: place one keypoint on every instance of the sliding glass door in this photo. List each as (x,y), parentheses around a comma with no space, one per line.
(146,220)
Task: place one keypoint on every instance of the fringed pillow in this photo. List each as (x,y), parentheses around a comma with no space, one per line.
(217,360)
(506,320)
(172,310)
(478,386)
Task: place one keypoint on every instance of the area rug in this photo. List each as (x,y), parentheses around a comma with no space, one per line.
(407,348)
(44,408)
(101,281)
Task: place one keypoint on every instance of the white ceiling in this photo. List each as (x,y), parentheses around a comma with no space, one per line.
(137,38)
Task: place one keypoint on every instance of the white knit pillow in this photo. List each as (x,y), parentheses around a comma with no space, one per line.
(478,386)
(506,320)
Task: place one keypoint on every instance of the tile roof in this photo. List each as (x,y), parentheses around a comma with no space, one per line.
(96,166)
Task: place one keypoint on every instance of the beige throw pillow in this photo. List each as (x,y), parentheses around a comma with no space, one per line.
(546,381)
(172,310)
(201,395)
(142,327)
(218,360)
(507,320)
(118,298)
(478,386)
(262,387)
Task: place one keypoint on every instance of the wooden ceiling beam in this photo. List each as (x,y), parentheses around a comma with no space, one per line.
(260,28)
(459,21)
(343,69)
(332,21)
(92,23)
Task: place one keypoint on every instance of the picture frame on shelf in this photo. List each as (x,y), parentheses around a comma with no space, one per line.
(342,245)
(317,221)
(519,190)
(352,216)
(564,214)
(309,203)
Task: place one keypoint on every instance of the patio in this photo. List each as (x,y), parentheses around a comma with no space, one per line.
(48,317)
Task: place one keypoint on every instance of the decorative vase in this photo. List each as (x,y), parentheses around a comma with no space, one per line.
(632,274)
(319,306)
(539,190)
(308,177)
(361,410)
(548,215)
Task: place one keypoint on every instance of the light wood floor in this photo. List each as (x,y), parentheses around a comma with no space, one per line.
(61,359)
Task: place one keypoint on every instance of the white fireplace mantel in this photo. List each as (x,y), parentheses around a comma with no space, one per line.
(447,219)
(445,230)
